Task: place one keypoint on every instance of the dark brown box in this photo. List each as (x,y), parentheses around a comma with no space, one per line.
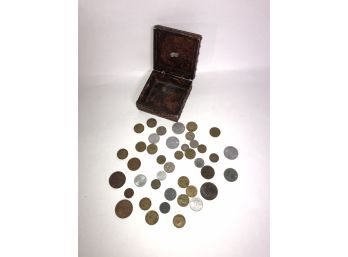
(170,83)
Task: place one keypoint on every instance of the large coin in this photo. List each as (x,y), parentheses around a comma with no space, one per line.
(140,180)
(183,200)
(145,203)
(170,194)
(231,152)
(155,184)
(122,154)
(161,159)
(178,155)
(214,157)
(230,174)
(161,175)
(185,147)
(183,182)
(151,123)
(169,167)
(154,138)
(179,221)
(140,146)
(134,164)
(123,209)
(151,149)
(194,143)
(138,128)
(117,179)
(161,130)
(151,217)
(215,132)
(202,148)
(164,207)
(199,162)
(172,142)
(128,193)
(190,153)
(196,204)
(191,191)
(190,135)
(178,128)
(207,172)
(209,191)
(191,126)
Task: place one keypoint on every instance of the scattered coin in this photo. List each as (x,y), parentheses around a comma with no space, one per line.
(194,143)
(230,174)
(196,204)
(178,128)
(140,146)
(191,126)
(155,184)
(145,203)
(209,191)
(154,138)
(202,148)
(151,123)
(214,157)
(169,167)
(151,217)
(199,162)
(164,207)
(179,221)
(190,135)
(161,175)
(178,155)
(140,180)
(123,209)
(183,182)
(152,149)
(190,153)
(207,172)
(128,193)
(161,130)
(138,128)
(231,152)
(134,164)
(191,191)
(215,132)
(170,194)
(183,200)
(122,154)
(185,147)
(161,159)
(117,179)
(172,142)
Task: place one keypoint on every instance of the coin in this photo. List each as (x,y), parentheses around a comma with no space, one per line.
(140,146)
(230,174)
(128,193)
(161,130)
(122,154)
(123,209)
(191,126)
(183,200)
(117,179)
(202,148)
(161,159)
(178,155)
(151,217)
(154,138)
(179,221)
(190,135)
(164,207)
(196,204)
(140,180)
(194,143)
(178,128)
(145,203)
(231,152)
(161,175)
(215,132)
(190,153)
(199,162)
(172,142)
(138,128)
(170,194)
(185,147)
(191,191)
(214,157)
(152,149)
(183,182)
(209,191)
(155,184)
(134,164)
(169,167)
(151,123)
(207,172)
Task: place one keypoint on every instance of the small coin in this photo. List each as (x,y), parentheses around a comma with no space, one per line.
(170,194)
(207,172)
(164,207)
(185,147)
(178,128)
(194,143)
(202,148)
(215,132)
(196,204)
(128,193)
(155,184)
(183,200)
(154,138)
(117,179)
(134,164)
(214,157)
(209,191)
(172,142)
(145,203)
(191,191)
(199,162)
(230,174)
(190,153)
(231,152)
(169,167)
(140,146)
(161,159)
(179,221)
(152,149)
(140,180)
(138,128)
(191,126)
(151,217)
(178,155)
(161,130)
(122,154)
(190,135)
(183,182)
(123,209)
(161,175)
(151,123)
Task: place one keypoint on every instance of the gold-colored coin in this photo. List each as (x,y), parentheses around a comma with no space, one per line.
(151,123)
(155,184)
(179,221)
(134,164)
(151,217)
(190,153)
(202,148)
(152,148)
(178,155)
(183,182)
(140,146)
(122,154)
(161,159)
(215,132)
(214,157)
(191,191)
(138,128)
(191,126)
(145,203)
(183,200)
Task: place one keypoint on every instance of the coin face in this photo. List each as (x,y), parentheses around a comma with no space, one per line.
(154,138)
(209,191)
(185,147)
(199,162)
(169,167)
(161,130)
(155,184)
(190,153)
(215,132)
(161,159)
(140,146)
(207,172)
(170,194)
(183,200)
(178,128)
(194,143)
(161,175)
(145,203)
(190,135)
(214,157)
(202,148)
(151,123)
(230,174)
(231,152)
(134,164)
(140,180)
(179,221)
(151,149)
(178,155)
(117,179)
(191,126)
(128,193)
(183,182)
(123,209)
(151,217)
(196,204)
(138,128)
(191,191)
(172,142)
(164,207)
(122,154)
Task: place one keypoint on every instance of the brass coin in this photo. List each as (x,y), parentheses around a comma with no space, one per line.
(161,130)
(123,209)
(145,203)
(134,164)
(215,132)
(140,146)
(128,193)
(178,155)
(191,126)
(183,182)
(155,184)
(209,191)
(214,157)
(179,221)
(191,191)
(151,217)
(138,128)
(152,149)
(161,159)
(183,200)
(202,148)
(207,172)
(190,153)
(151,123)
(122,154)
(117,179)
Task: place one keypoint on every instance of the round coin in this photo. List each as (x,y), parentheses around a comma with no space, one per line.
(191,191)
(134,164)
(140,146)
(164,207)
(138,128)
(172,142)
(155,184)
(117,179)
(161,159)
(196,204)
(209,191)
(178,155)
(183,182)
(190,153)
(214,157)
(215,132)
(179,221)
(161,130)
(161,175)
(140,180)
(178,128)
(231,152)
(170,194)
(128,193)
(169,167)
(123,209)
(154,138)
(190,135)
(151,217)
(202,148)
(191,126)
(145,203)
(151,123)
(194,143)
(122,154)
(152,149)
(230,174)
(199,162)
(183,200)
(185,147)
(207,172)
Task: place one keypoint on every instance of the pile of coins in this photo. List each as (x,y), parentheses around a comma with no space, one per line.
(208,190)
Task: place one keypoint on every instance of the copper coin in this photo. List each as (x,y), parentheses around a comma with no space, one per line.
(214,157)
(183,200)
(138,128)
(190,135)
(123,209)
(134,164)
(161,159)
(117,179)
(178,155)
(151,123)
(151,217)
(152,149)
(215,132)
(194,143)
(122,154)
(155,184)
(140,146)
(207,172)
(190,153)
(128,193)
(185,147)
(202,148)
(191,191)
(145,203)
(183,182)
(161,130)
(191,126)
(179,221)
(209,191)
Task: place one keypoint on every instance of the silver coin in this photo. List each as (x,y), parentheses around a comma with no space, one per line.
(154,138)
(231,152)
(190,135)
(196,204)
(161,130)
(161,175)
(194,143)
(170,194)
(199,162)
(140,180)
(172,142)
(169,167)
(178,128)
(230,174)
(185,147)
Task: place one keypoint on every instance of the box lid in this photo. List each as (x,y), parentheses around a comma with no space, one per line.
(176,51)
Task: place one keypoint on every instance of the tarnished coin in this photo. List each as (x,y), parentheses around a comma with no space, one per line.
(128,193)
(179,221)
(164,207)
(199,162)
(169,167)
(202,148)
(185,147)
(140,146)
(123,209)
(215,132)
(161,130)
(117,179)
(191,191)
(145,203)
(140,180)
(209,191)
(194,143)
(151,217)
(170,194)
(154,138)
(191,126)
(172,142)
(155,184)
(178,155)
(183,200)
(161,159)
(183,182)
(231,152)
(138,128)
(190,135)
(152,149)
(190,153)
(230,174)
(161,175)
(178,128)
(214,157)
(122,154)
(196,204)
(151,123)
(207,172)
(134,164)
